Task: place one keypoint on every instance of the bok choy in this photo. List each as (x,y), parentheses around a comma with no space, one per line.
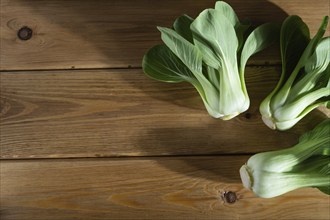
(211,53)
(307,164)
(305,79)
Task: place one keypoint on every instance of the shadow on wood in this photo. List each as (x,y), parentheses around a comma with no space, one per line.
(232,134)
(78,34)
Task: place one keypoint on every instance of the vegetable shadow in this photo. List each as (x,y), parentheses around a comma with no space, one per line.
(118,34)
(216,147)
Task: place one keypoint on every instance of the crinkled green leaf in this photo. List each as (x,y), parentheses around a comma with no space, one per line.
(241,31)
(192,58)
(320,58)
(258,40)
(282,95)
(294,39)
(226,10)
(230,14)
(215,37)
(316,73)
(182,48)
(182,27)
(162,64)
(313,43)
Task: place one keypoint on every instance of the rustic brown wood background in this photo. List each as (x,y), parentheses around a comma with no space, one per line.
(86,135)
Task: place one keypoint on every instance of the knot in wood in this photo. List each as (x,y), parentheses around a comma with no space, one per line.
(25,33)
(230,197)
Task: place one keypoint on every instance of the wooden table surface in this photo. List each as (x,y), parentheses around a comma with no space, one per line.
(86,135)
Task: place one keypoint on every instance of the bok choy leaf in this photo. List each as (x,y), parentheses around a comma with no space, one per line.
(210,52)
(305,80)
(307,164)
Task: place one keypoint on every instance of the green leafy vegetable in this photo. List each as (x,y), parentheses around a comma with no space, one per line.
(210,52)
(307,164)
(305,80)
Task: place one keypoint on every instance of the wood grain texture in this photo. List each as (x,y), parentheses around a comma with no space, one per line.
(108,34)
(124,113)
(75,114)
(154,188)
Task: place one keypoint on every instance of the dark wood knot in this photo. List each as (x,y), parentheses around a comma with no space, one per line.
(25,33)
(229,197)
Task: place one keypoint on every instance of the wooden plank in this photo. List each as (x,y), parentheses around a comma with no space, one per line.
(108,34)
(154,188)
(123,113)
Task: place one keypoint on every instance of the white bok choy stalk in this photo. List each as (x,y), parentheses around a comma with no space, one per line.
(307,164)
(305,79)
(210,52)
